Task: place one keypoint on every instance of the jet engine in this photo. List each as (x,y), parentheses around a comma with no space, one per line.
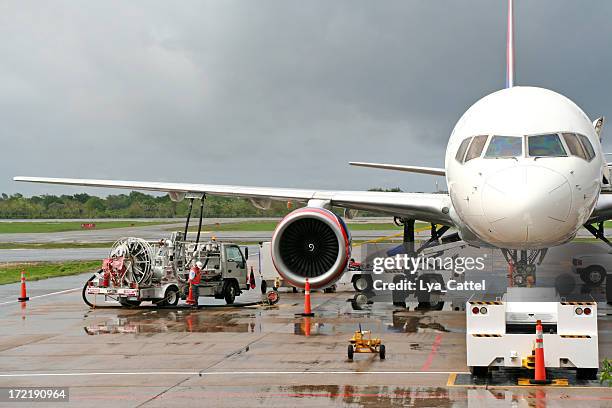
(311,243)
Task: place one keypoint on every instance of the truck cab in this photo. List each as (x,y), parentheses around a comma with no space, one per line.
(224,271)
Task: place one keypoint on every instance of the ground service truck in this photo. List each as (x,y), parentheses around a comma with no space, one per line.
(138,271)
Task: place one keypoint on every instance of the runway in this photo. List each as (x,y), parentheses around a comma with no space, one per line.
(249,356)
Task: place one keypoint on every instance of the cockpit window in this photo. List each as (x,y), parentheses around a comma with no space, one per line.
(545,146)
(588,147)
(505,146)
(476,147)
(462,148)
(574,145)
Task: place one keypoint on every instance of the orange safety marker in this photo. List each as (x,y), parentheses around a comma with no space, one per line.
(23,297)
(190,299)
(307,309)
(540,369)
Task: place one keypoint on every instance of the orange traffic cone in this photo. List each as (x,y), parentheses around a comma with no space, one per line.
(24,297)
(190,298)
(540,369)
(307,310)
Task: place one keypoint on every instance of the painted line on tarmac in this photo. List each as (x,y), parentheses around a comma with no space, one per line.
(221,373)
(42,296)
(434,350)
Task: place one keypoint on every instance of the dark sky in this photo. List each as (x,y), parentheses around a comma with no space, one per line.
(273,93)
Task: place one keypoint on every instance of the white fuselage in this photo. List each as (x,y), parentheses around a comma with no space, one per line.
(528,189)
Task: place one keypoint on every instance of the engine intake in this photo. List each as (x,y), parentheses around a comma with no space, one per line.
(311,243)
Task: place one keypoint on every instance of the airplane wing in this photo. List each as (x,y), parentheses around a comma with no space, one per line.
(422,206)
(603,209)
(435,171)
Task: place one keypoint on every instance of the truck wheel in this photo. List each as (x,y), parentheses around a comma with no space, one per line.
(382,352)
(586,373)
(229,292)
(171,297)
(479,371)
(594,275)
(351,351)
(129,303)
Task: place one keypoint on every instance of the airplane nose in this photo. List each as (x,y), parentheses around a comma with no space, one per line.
(527,205)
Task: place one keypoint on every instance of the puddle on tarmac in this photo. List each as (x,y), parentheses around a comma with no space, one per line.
(373,396)
(174,321)
(422,323)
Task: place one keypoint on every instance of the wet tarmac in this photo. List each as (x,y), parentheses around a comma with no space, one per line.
(252,356)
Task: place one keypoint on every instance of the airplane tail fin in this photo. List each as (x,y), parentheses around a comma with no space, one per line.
(510,46)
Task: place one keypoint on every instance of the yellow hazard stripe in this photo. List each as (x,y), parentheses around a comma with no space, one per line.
(486,303)
(575,336)
(486,335)
(578,303)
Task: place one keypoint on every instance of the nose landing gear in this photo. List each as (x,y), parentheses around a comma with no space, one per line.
(523,265)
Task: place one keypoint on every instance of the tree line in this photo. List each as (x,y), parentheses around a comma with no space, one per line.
(133,205)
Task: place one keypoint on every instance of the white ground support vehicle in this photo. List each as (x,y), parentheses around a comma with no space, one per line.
(139,271)
(501,332)
(592,268)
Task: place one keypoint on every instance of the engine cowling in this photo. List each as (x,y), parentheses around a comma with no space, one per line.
(311,243)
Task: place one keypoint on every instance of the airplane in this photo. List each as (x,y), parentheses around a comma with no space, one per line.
(524,168)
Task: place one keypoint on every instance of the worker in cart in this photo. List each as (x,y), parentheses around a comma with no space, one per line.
(195,274)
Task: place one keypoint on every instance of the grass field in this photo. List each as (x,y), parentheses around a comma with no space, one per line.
(61,226)
(54,245)
(270,225)
(43,270)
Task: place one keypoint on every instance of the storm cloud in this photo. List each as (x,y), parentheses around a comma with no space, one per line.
(273,93)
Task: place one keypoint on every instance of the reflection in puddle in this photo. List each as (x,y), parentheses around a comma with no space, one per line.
(174,321)
(372,396)
(415,324)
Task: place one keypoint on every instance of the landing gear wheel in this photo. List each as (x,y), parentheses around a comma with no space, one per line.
(361,283)
(593,276)
(129,303)
(382,352)
(171,297)
(518,279)
(229,292)
(399,296)
(264,287)
(479,371)
(350,352)
(586,373)
(359,301)
(294,289)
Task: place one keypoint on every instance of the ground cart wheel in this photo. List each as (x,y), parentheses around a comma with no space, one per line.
(351,351)
(229,292)
(171,297)
(382,352)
